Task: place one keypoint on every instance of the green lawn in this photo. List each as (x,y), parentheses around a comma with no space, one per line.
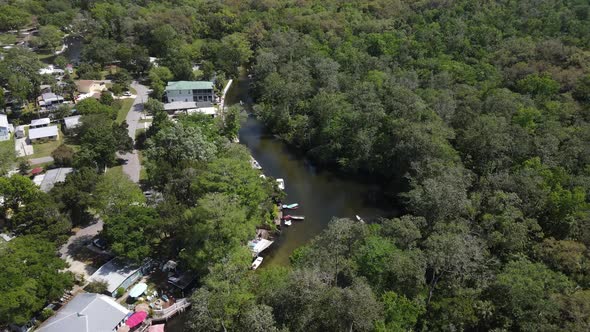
(45,149)
(125,107)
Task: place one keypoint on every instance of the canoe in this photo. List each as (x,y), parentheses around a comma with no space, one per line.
(257,262)
(290,217)
(291,206)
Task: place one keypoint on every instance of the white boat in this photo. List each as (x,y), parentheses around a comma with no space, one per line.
(255,163)
(291,206)
(288,223)
(281,184)
(257,262)
(359,219)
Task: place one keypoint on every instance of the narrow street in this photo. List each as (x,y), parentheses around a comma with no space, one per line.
(132,167)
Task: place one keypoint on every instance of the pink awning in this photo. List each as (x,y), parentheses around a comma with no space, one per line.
(136,319)
(156,328)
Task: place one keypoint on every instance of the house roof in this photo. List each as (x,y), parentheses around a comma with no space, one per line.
(86,312)
(114,273)
(42,132)
(72,121)
(53,176)
(189,85)
(3,120)
(191,107)
(40,122)
(85,83)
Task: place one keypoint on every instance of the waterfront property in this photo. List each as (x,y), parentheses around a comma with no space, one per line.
(87,312)
(4,131)
(50,133)
(190,107)
(197,91)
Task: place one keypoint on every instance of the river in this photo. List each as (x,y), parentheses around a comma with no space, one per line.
(321,194)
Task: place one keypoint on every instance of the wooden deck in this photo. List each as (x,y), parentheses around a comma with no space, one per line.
(167,313)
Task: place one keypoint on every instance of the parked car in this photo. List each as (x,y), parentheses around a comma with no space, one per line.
(100,243)
(126,93)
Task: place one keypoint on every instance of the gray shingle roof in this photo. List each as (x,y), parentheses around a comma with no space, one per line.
(87,312)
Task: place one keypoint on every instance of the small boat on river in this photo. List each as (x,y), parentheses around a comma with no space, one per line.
(359,219)
(291,206)
(257,262)
(255,163)
(281,184)
(290,217)
(288,222)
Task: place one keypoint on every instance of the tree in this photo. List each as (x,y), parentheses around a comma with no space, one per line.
(13,18)
(7,158)
(153,106)
(160,74)
(29,278)
(100,51)
(233,52)
(400,314)
(42,218)
(17,191)
(106,98)
(231,122)
(50,38)
(100,139)
(63,155)
(99,287)
(523,294)
(133,232)
(217,225)
(538,85)
(115,192)
(76,195)
(92,106)
(179,143)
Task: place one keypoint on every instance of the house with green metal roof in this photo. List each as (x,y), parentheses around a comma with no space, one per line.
(190,91)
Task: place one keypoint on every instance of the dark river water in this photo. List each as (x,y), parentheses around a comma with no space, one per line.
(322,195)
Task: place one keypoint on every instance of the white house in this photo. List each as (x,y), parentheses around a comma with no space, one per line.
(4,131)
(185,91)
(38,123)
(43,133)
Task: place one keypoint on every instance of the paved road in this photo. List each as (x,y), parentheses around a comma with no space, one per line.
(42,160)
(132,166)
(72,248)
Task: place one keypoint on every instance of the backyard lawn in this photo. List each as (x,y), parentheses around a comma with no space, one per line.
(125,107)
(45,149)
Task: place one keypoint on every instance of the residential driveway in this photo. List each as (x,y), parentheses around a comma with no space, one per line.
(73,251)
(132,167)
(22,147)
(42,160)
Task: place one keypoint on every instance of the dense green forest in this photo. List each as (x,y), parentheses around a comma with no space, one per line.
(475,114)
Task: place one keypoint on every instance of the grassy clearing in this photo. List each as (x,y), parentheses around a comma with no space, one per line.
(44,149)
(125,108)
(116,169)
